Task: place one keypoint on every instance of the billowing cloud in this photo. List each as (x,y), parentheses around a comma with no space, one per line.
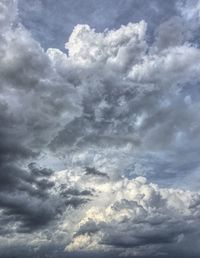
(133,216)
(135,97)
(115,111)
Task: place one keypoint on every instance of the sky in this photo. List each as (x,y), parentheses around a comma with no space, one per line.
(99,128)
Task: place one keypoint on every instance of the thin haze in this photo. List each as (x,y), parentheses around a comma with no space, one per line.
(99,128)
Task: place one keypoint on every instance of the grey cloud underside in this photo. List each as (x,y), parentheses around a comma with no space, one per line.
(121,104)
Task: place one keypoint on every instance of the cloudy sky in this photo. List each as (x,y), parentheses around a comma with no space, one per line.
(99,128)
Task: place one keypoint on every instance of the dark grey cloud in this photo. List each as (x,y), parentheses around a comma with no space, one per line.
(29,200)
(94,172)
(28,105)
(21,194)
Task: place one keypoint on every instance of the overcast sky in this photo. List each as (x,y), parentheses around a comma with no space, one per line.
(99,128)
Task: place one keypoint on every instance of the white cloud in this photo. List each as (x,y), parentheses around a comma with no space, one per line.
(115,48)
(130,214)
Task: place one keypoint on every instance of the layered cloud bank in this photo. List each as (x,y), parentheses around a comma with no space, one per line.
(114,112)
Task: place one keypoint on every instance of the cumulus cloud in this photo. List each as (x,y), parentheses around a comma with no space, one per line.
(133,214)
(134,96)
(112,110)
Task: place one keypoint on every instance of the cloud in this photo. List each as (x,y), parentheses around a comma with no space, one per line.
(134,96)
(29,107)
(134,214)
(94,172)
(112,108)
(117,48)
